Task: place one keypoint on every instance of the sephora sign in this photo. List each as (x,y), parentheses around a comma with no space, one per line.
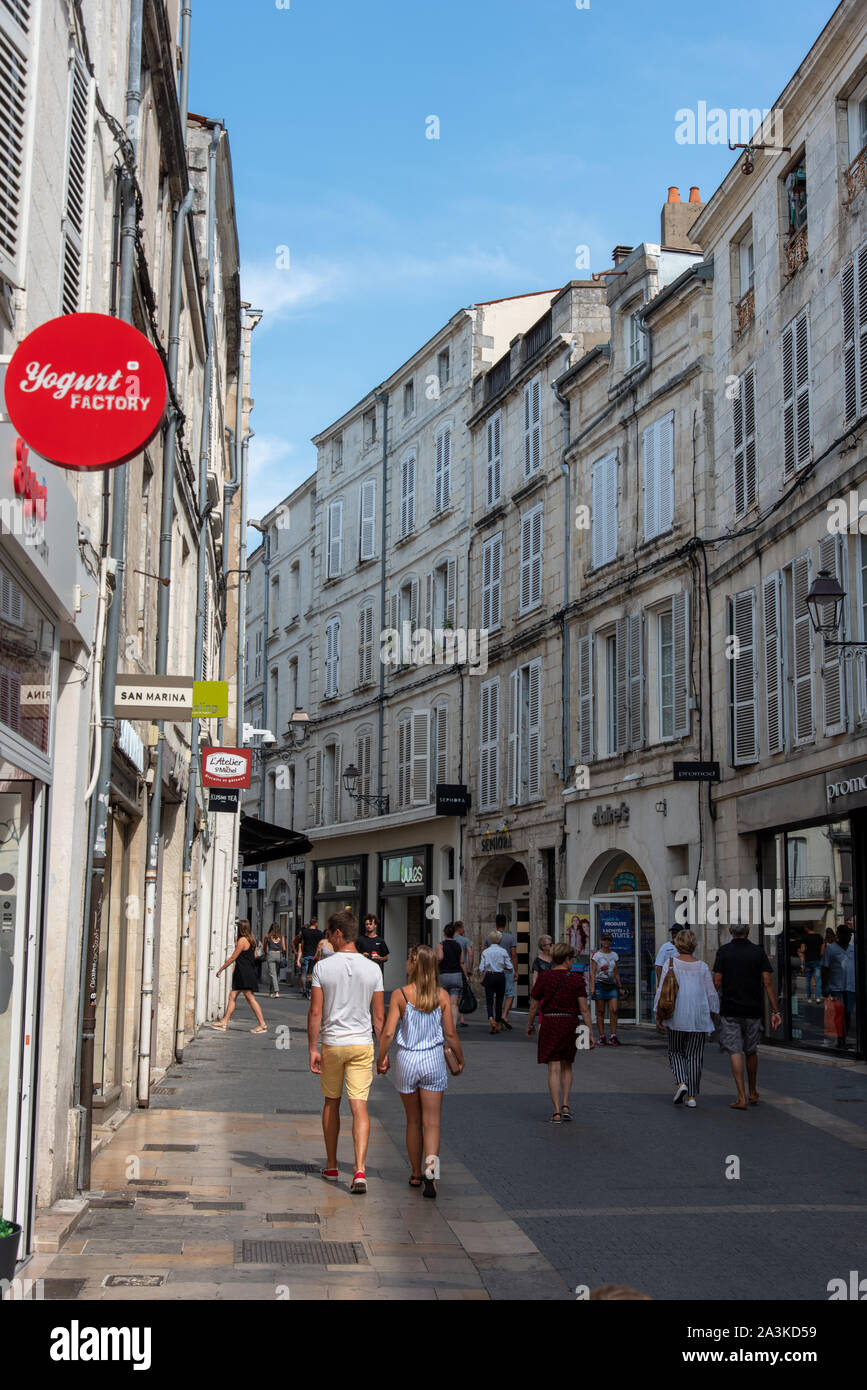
(86,391)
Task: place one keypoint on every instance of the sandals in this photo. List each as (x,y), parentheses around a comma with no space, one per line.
(566,1113)
(431,1173)
(218,1027)
(415,1180)
(556,1118)
(259,1030)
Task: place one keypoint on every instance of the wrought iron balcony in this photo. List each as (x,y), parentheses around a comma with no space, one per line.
(497,376)
(856,175)
(796,251)
(746,310)
(810,888)
(538,336)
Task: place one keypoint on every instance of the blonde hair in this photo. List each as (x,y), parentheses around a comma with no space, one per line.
(685,941)
(425,975)
(495,938)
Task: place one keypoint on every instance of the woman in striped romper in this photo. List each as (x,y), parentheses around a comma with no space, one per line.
(691,1024)
(420,1025)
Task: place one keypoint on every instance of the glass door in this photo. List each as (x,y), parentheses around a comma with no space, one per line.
(616,917)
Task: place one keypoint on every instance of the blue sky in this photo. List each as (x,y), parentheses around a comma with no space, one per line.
(557,129)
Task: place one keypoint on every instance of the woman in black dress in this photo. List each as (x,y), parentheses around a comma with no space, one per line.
(244,978)
(562,996)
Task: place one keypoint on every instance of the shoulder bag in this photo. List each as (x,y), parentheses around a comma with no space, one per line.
(667,995)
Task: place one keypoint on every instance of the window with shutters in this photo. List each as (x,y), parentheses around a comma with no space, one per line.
(611,694)
(367,521)
(407,494)
(832,558)
(531,559)
(532,426)
(276,616)
(665,633)
(489,745)
(365,645)
(76,190)
(294,605)
(403,606)
(444,367)
(603,520)
(441,596)
(798,577)
(409,398)
(439,735)
(856,115)
(332,657)
(853,289)
(335,539)
(293,685)
(257,669)
(743,678)
(368,427)
(443,469)
(658,460)
(774,669)
(15,62)
(492,573)
(494,475)
(363,742)
(337,453)
(332,787)
(413,758)
(672,658)
(525,733)
(797,425)
(624,676)
(634,342)
(314,782)
(586,732)
(744,422)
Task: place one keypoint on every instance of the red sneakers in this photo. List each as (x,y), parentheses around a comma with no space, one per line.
(358,1184)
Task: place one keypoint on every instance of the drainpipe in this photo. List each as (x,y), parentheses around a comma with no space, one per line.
(229,490)
(567,561)
(204,512)
(382,397)
(266,619)
(97,851)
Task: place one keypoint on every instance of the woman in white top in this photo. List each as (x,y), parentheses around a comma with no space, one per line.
(691,1024)
(493,967)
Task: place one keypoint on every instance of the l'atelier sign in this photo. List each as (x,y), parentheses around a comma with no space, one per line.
(611,815)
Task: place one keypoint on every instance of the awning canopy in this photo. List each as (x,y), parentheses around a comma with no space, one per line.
(260,842)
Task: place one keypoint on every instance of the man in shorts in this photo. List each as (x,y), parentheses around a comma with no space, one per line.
(741,975)
(509,942)
(346,986)
(310,939)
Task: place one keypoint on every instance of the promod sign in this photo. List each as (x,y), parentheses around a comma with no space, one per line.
(86,391)
(226,767)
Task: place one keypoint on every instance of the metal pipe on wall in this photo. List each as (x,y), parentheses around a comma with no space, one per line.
(382,397)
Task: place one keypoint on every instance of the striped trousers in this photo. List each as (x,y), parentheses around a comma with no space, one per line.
(685,1057)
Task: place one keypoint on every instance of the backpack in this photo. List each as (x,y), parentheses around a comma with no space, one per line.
(667,995)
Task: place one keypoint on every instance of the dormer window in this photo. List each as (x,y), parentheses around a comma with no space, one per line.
(634,342)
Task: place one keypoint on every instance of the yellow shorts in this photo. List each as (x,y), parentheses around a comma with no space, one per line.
(353,1065)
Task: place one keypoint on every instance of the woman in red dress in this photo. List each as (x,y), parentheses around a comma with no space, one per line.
(561,996)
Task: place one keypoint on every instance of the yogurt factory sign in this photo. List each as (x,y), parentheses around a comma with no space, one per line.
(86,391)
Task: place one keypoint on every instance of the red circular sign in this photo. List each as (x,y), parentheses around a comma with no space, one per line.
(86,391)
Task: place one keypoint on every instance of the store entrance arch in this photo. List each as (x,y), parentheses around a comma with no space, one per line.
(618,902)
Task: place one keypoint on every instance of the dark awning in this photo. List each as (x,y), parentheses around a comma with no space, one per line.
(260,842)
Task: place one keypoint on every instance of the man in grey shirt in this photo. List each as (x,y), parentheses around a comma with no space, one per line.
(509,942)
(466,960)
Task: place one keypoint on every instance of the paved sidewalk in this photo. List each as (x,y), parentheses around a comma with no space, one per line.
(187,1207)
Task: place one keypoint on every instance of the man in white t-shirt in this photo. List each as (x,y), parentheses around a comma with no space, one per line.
(667,951)
(346,986)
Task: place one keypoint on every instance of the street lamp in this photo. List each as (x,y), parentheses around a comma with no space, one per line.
(825,605)
(350,779)
(299,727)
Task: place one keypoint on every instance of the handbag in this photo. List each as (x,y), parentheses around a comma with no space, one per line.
(452,1062)
(667,1001)
(468,1003)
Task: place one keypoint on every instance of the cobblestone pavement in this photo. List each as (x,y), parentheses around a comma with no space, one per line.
(632,1191)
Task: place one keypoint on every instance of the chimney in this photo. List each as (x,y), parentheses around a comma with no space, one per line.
(620,253)
(676,220)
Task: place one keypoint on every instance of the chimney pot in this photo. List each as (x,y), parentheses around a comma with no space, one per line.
(694,195)
(674,194)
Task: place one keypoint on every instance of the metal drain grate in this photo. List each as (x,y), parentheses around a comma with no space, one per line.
(217,1206)
(165,1195)
(147,1182)
(309,1217)
(164,1091)
(299,1252)
(134,1281)
(170,1148)
(274,1166)
(102,1202)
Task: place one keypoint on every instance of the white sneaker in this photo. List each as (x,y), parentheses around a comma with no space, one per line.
(690,1103)
(680,1093)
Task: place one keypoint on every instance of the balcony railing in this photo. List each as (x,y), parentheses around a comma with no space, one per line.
(796,251)
(856,175)
(498,376)
(746,310)
(810,888)
(538,336)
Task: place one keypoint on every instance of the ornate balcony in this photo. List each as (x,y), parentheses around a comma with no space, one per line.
(856,175)
(746,310)
(796,251)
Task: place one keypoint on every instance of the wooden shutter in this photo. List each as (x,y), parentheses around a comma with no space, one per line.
(682,662)
(367,523)
(526,559)
(407,495)
(796,395)
(404,760)
(744,413)
(489,740)
(413,603)
(365,645)
(336,784)
(531,569)
(440,743)
(492,563)
(774,686)
(15,79)
(420,774)
(833,677)
(439,472)
(802,646)
(853,287)
(743,696)
(494,463)
(611,506)
(604,510)
(585,699)
(451,591)
(487,562)
(636,680)
(622,662)
(317,789)
(514,736)
(532,426)
(332,656)
(651,482)
(665,472)
(335,539)
(534,729)
(76,200)
(362,762)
